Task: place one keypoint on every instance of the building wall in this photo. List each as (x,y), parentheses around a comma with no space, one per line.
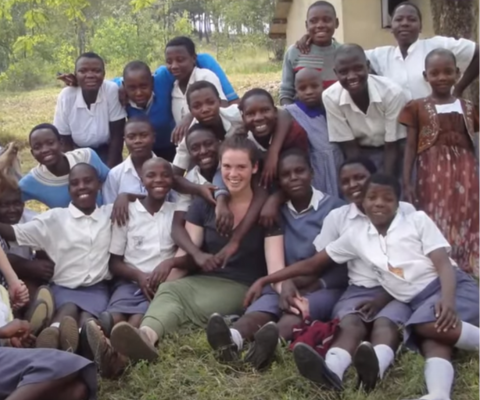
(360,22)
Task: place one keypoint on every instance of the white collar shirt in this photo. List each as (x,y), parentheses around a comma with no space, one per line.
(194,176)
(400,258)
(335,224)
(317,197)
(146,240)
(22,251)
(408,72)
(77,243)
(88,127)
(378,125)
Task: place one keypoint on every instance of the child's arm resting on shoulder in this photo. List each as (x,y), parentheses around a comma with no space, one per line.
(16,288)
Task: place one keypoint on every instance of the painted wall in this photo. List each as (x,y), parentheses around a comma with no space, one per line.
(360,22)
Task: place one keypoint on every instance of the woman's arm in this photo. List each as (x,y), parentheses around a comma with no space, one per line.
(209,62)
(275,256)
(115,146)
(409,159)
(180,235)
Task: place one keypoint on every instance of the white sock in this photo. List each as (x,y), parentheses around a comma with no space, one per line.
(338,360)
(469,337)
(439,378)
(55,325)
(237,338)
(385,357)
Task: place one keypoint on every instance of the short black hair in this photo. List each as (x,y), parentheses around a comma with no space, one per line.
(136,65)
(199,127)
(199,85)
(144,119)
(349,48)
(295,151)
(91,55)
(240,142)
(368,164)
(185,42)
(45,125)
(86,165)
(384,180)
(409,4)
(440,52)
(255,92)
(322,4)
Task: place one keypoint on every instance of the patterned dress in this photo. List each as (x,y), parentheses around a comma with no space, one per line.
(4,247)
(447,173)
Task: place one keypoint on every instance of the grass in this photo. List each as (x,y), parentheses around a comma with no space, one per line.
(187,368)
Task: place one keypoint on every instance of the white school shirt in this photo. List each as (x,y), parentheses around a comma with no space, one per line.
(317,197)
(88,127)
(379,125)
(77,243)
(179,99)
(335,224)
(23,251)
(399,259)
(146,240)
(194,176)
(408,73)
(231,119)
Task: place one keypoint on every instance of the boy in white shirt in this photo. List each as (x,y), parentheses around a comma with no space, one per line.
(91,115)
(410,257)
(362,111)
(76,239)
(181,61)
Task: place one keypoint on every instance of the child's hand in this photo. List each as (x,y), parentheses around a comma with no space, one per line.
(303,45)
(68,79)
(206,192)
(270,166)
(409,193)
(223,218)
(181,129)
(17,328)
(302,305)
(270,213)
(120,209)
(446,315)
(18,294)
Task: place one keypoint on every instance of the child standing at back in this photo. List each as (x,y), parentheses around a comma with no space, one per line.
(440,139)
(321,24)
(308,111)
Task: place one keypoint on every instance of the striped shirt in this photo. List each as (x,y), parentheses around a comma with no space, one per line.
(320,58)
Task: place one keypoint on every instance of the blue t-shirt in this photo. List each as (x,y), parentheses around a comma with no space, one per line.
(160,110)
(41,185)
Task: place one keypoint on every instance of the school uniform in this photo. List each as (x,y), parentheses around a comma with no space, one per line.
(194,176)
(300,228)
(144,242)
(364,284)
(371,130)
(78,245)
(400,261)
(179,98)
(13,247)
(407,72)
(41,185)
(88,127)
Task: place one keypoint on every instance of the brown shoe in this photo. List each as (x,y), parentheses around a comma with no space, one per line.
(49,338)
(69,335)
(45,294)
(37,315)
(109,362)
(132,342)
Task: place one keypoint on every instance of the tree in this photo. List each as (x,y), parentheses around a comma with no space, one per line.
(457,18)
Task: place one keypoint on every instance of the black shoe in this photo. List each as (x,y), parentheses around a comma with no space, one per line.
(313,367)
(262,351)
(220,339)
(105,320)
(85,349)
(365,362)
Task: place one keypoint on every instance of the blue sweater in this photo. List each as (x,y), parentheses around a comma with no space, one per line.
(160,112)
(300,232)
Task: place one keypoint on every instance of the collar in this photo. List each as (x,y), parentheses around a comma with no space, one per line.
(317,197)
(396,221)
(354,212)
(191,80)
(398,54)
(76,213)
(139,206)
(373,94)
(80,101)
(310,112)
(129,167)
(149,104)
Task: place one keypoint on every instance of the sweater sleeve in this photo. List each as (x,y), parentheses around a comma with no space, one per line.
(287,87)
(208,62)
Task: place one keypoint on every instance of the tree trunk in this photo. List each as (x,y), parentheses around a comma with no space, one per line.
(457,18)
(206,26)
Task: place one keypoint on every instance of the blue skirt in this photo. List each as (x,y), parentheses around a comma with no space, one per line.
(20,367)
(127,298)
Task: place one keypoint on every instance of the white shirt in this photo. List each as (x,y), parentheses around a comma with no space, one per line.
(194,176)
(317,197)
(231,119)
(146,240)
(455,107)
(379,125)
(88,127)
(123,179)
(22,251)
(77,243)
(335,224)
(399,259)
(179,99)
(408,73)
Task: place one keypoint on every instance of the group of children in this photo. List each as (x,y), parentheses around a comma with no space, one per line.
(247,217)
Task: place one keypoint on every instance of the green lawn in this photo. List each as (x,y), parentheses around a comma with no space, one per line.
(187,368)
